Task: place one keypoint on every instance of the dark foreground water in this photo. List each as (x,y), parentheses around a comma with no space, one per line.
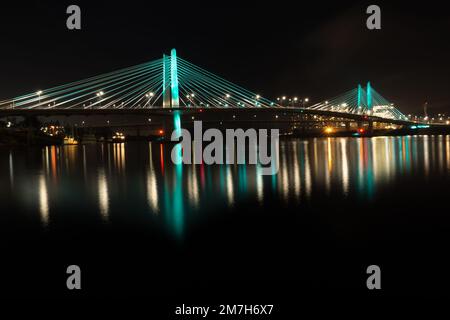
(139,226)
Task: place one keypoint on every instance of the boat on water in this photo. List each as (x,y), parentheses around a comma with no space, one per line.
(118,137)
(70,141)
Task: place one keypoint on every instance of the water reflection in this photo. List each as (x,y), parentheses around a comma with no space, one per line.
(152,190)
(43,201)
(307,170)
(11,170)
(344,168)
(176,200)
(259,184)
(141,177)
(426,155)
(103,197)
(193,186)
(230,187)
(119,157)
(447,149)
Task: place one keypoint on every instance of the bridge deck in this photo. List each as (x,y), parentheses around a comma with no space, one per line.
(191,110)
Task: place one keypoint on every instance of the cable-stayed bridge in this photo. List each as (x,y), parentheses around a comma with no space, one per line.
(172,83)
(361,102)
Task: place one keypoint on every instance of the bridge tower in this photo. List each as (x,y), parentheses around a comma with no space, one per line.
(171,97)
(166,81)
(174,79)
(369,97)
(359,95)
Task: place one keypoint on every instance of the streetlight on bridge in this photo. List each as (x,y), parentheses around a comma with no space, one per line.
(306,100)
(149,95)
(227,96)
(257,97)
(190,97)
(280,100)
(99,95)
(39,92)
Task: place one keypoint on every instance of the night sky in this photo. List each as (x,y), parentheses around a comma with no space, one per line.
(315,49)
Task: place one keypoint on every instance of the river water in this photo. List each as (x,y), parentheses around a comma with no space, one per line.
(140,225)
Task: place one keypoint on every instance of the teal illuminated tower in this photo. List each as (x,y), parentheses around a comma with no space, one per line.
(359,95)
(171,97)
(174,79)
(369,96)
(166,81)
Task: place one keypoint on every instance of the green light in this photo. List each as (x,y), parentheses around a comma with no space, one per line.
(178,206)
(369,96)
(174,79)
(178,130)
(359,95)
(166,81)
(177,122)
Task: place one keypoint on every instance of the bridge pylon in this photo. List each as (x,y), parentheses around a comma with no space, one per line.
(362,101)
(166,81)
(369,96)
(171,96)
(174,89)
(359,96)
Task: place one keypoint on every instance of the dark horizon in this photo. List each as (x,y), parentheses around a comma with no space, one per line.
(310,50)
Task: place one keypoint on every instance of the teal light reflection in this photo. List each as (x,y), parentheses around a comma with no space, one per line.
(178,208)
(173,195)
(242,169)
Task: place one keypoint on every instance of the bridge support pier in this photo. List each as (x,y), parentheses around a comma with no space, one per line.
(347,125)
(170,123)
(31,126)
(370,127)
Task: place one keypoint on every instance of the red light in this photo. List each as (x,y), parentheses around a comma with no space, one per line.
(161,131)
(361,130)
(201,110)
